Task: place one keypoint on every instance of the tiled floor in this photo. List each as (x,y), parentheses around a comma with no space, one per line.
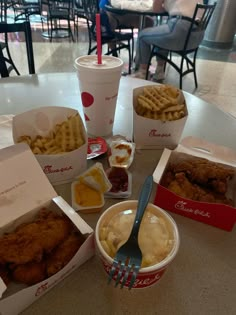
(215,69)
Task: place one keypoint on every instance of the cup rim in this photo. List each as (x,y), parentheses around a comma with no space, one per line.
(77,65)
(152,268)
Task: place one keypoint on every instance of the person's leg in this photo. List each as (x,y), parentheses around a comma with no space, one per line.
(159,74)
(174,41)
(130,21)
(147,38)
(169,36)
(118,20)
(113,20)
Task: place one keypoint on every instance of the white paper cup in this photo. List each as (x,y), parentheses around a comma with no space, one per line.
(99,86)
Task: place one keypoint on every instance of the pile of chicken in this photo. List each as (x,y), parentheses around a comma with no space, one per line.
(199,179)
(38,250)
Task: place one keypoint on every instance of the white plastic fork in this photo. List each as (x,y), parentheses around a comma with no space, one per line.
(129,256)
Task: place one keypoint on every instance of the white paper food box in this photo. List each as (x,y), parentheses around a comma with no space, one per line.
(59,168)
(155,134)
(23,192)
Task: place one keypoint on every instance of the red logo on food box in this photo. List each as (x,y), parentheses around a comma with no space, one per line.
(41,289)
(155,133)
(219,215)
(48,169)
(181,205)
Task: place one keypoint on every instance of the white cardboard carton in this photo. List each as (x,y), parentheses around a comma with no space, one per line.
(23,192)
(59,168)
(155,134)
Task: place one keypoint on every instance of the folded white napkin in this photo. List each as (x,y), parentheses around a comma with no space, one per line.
(6,138)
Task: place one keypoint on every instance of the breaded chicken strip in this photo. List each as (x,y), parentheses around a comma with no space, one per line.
(205,172)
(30,273)
(63,253)
(30,241)
(184,188)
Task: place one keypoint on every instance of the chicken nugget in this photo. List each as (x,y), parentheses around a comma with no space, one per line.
(19,247)
(63,253)
(30,241)
(30,273)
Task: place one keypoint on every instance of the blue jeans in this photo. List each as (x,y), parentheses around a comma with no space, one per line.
(167,36)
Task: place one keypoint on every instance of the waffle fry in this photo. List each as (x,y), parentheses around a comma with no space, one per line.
(65,137)
(161,102)
(26,139)
(69,134)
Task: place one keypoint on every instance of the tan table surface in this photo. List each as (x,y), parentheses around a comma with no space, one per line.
(201,279)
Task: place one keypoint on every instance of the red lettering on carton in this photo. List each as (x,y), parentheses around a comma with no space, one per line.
(49,170)
(181,205)
(41,289)
(154,133)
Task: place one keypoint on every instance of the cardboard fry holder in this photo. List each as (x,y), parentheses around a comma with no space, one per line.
(218,215)
(59,168)
(23,192)
(155,134)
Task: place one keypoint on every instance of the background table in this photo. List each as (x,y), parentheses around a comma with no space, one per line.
(201,279)
(141,14)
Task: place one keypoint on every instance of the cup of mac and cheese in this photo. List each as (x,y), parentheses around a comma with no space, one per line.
(158,239)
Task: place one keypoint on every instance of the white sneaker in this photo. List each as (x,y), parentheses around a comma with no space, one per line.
(140,74)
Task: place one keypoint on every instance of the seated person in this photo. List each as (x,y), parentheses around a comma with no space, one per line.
(169,35)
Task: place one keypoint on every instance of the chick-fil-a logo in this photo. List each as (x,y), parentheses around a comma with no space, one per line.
(181,205)
(47,285)
(147,281)
(154,133)
(41,289)
(48,169)
(142,280)
(202,213)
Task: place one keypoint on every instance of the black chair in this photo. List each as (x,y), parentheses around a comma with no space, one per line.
(6,62)
(3,10)
(122,28)
(115,41)
(24,9)
(79,13)
(188,53)
(60,11)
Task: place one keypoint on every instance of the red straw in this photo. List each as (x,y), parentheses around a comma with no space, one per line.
(98,35)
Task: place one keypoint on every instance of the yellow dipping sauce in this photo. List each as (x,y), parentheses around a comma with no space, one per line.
(86,196)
